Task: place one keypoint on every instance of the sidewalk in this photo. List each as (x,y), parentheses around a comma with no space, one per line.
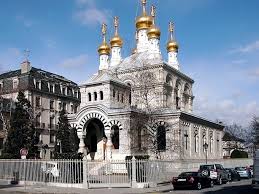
(52,190)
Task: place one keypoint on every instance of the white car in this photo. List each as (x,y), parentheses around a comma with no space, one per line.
(243,172)
(50,168)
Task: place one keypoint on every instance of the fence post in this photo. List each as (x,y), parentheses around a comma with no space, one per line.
(134,177)
(85,173)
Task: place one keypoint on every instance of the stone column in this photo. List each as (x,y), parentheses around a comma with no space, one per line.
(109,145)
(81,143)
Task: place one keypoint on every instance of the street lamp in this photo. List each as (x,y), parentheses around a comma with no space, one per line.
(205,145)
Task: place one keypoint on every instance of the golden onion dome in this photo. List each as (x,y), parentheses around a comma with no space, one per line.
(144,21)
(116,40)
(153,32)
(104,49)
(172,46)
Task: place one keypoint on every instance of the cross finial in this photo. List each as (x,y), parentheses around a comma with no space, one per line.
(153,11)
(171,29)
(26,54)
(144,2)
(104,29)
(116,24)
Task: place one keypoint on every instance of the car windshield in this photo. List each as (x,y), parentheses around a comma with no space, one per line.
(186,174)
(240,169)
(206,167)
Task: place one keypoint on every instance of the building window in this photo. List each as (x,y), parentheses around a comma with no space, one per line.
(101,95)
(161,138)
(95,96)
(37,85)
(113,93)
(72,108)
(211,144)
(76,94)
(118,96)
(51,105)
(122,98)
(51,88)
(51,123)
(89,97)
(115,137)
(186,140)
(52,137)
(37,120)
(64,91)
(59,106)
(1,87)
(75,109)
(37,101)
(64,106)
(196,141)
(15,84)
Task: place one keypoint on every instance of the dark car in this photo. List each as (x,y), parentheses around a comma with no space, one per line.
(234,175)
(192,180)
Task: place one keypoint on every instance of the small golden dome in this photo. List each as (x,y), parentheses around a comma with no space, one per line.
(172,46)
(144,22)
(116,41)
(153,32)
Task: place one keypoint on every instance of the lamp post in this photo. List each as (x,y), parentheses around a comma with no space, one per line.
(205,145)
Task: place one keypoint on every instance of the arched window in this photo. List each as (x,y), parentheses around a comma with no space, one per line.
(177,95)
(95,96)
(161,138)
(115,137)
(118,96)
(89,96)
(113,93)
(101,95)
(129,93)
(196,141)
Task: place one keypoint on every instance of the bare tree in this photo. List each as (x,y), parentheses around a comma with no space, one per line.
(149,134)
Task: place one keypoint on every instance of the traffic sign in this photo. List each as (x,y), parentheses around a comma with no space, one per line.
(23,152)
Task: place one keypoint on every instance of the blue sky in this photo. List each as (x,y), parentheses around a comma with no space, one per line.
(218,39)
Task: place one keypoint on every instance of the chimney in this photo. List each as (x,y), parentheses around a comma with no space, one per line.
(25,67)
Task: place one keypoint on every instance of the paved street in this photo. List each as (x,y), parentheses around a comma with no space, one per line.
(241,187)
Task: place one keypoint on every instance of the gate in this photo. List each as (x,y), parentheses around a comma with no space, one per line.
(108,174)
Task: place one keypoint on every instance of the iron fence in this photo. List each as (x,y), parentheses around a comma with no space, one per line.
(91,174)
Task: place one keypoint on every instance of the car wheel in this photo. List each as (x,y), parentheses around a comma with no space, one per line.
(211,183)
(198,186)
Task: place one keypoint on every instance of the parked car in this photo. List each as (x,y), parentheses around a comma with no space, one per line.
(50,168)
(234,175)
(192,180)
(216,172)
(243,172)
(255,180)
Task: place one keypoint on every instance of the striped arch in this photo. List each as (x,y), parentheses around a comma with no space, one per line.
(153,129)
(115,122)
(91,115)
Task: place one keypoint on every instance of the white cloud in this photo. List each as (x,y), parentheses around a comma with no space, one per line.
(254,46)
(75,61)
(227,110)
(88,13)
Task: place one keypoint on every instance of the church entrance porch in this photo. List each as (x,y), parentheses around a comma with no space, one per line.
(94,139)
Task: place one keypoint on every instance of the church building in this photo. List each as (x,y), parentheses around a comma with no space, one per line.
(142,104)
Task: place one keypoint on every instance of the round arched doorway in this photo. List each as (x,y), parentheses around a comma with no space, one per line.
(94,136)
